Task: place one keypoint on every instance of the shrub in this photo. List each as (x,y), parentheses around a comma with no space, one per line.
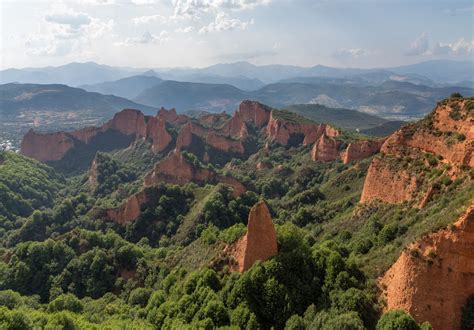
(68,302)
(397,320)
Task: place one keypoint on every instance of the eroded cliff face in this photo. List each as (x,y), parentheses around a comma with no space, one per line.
(157,134)
(46,147)
(54,146)
(433,278)
(210,137)
(177,169)
(447,134)
(325,149)
(259,243)
(129,210)
(361,149)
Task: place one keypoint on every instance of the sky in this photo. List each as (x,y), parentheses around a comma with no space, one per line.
(198,33)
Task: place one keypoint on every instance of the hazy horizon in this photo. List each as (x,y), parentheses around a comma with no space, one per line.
(200,33)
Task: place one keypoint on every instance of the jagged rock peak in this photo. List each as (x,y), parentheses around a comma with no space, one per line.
(260,241)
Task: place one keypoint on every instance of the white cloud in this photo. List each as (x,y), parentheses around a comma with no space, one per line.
(459,11)
(192,8)
(353,53)
(187,29)
(149,19)
(72,19)
(65,31)
(146,38)
(420,46)
(224,22)
(460,47)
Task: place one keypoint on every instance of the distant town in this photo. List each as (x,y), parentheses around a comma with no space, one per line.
(8,145)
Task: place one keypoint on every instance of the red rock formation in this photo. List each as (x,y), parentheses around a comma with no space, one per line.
(387,184)
(361,149)
(46,147)
(170,116)
(157,133)
(177,169)
(236,126)
(280,130)
(92,181)
(437,134)
(254,112)
(434,283)
(130,210)
(260,242)
(54,146)
(326,149)
(209,136)
(128,122)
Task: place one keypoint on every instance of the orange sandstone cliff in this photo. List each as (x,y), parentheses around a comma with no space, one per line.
(259,243)
(447,134)
(433,278)
(177,169)
(54,146)
(129,210)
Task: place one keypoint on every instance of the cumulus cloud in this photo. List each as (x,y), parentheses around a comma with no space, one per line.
(72,19)
(460,47)
(186,29)
(146,38)
(65,31)
(420,46)
(224,22)
(352,53)
(192,8)
(149,19)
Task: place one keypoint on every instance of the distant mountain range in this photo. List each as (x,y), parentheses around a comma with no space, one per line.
(391,99)
(25,98)
(397,93)
(244,75)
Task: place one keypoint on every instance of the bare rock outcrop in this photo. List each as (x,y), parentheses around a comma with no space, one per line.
(46,147)
(211,137)
(259,243)
(447,133)
(177,169)
(157,134)
(433,278)
(389,184)
(280,130)
(325,149)
(361,149)
(129,210)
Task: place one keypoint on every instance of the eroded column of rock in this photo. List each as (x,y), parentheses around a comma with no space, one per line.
(325,149)
(259,243)
(434,277)
(157,133)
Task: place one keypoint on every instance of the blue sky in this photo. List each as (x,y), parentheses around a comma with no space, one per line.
(197,33)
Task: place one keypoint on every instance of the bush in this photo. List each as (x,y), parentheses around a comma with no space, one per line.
(397,320)
(456,95)
(68,302)
(139,296)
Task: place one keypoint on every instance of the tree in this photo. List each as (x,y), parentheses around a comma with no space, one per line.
(397,320)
